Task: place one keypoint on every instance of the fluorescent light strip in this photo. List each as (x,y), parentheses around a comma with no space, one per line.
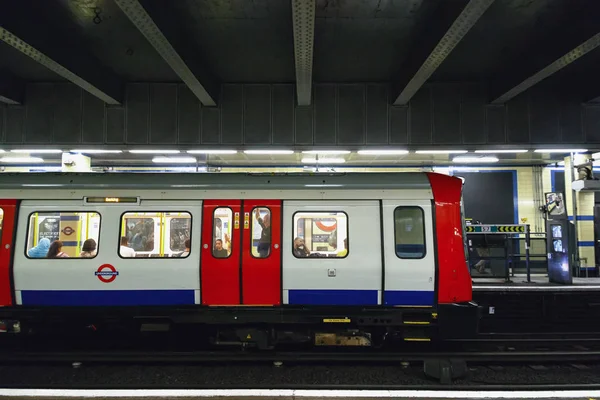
(38,151)
(441,151)
(468,159)
(154,151)
(501,151)
(309,160)
(323,185)
(269,151)
(212,151)
(382,152)
(329,152)
(23,160)
(174,160)
(96,151)
(560,150)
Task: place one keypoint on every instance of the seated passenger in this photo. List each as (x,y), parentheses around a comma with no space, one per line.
(88,250)
(55,250)
(219,251)
(187,245)
(345,251)
(41,250)
(300,249)
(124,249)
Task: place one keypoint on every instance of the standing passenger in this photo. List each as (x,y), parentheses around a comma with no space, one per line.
(41,250)
(125,250)
(55,250)
(264,244)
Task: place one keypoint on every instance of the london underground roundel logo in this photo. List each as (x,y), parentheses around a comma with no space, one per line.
(106,273)
(68,231)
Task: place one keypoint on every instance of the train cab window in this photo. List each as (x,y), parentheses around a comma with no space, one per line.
(261,232)
(63,235)
(320,234)
(409,232)
(156,234)
(222,237)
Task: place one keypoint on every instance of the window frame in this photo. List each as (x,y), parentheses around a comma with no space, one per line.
(121,219)
(424,233)
(252,230)
(212,239)
(316,212)
(25,250)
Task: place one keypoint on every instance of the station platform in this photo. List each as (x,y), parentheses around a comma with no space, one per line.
(519,283)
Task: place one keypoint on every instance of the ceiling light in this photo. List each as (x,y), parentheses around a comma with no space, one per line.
(154,151)
(382,152)
(174,160)
(471,159)
(500,151)
(331,152)
(269,151)
(441,151)
(39,151)
(23,160)
(309,160)
(96,151)
(561,150)
(212,151)
(324,185)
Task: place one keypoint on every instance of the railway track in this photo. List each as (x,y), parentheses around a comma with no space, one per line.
(504,355)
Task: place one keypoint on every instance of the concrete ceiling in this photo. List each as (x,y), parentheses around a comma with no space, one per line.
(100,45)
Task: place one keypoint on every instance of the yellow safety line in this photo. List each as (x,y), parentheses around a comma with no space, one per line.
(416,322)
(417,339)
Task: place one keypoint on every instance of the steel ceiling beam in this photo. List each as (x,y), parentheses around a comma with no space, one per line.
(56,48)
(578,37)
(197,79)
(12,89)
(451,22)
(303,18)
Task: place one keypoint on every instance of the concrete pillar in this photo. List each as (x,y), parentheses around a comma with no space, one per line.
(584,204)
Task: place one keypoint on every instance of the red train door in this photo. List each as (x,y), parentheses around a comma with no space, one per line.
(241,254)
(261,258)
(7,225)
(220,261)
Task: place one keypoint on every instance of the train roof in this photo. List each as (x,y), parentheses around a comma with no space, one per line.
(215,181)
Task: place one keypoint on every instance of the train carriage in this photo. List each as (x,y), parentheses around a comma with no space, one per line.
(265,257)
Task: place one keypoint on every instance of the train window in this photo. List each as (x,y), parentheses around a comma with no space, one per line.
(222,227)
(156,234)
(1,221)
(409,232)
(320,234)
(261,232)
(63,235)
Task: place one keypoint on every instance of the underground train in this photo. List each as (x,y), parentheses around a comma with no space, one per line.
(330,259)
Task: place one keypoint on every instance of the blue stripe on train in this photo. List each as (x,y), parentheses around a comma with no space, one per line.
(333,297)
(408,298)
(360,297)
(107,297)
